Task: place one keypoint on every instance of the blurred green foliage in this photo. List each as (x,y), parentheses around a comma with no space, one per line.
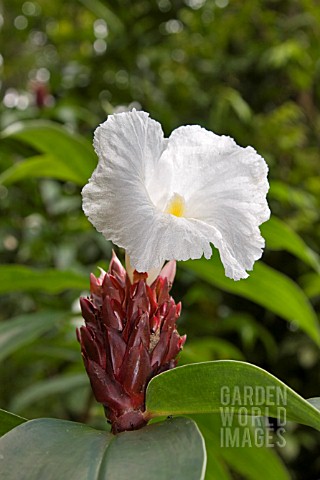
(248,69)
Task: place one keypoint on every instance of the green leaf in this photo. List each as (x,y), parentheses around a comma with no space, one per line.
(14,278)
(58,449)
(216,468)
(250,456)
(293,196)
(41,166)
(265,286)
(173,449)
(279,236)
(52,449)
(53,386)
(250,331)
(209,348)
(239,105)
(198,388)
(311,284)
(315,401)
(52,139)
(21,330)
(101,10)
(8,421)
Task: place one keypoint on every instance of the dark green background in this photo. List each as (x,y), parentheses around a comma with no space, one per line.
(248,69)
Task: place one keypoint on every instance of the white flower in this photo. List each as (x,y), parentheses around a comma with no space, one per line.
(164,199)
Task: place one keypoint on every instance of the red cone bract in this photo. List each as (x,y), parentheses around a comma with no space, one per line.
(129,337)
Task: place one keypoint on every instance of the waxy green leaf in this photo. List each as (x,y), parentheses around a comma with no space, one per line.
(58,449)
(266,287)
(203,388)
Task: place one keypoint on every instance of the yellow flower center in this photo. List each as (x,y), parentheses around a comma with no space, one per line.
(176,205)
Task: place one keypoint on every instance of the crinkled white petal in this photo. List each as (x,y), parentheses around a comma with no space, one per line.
(225,191)
(223,186)
(116,200)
